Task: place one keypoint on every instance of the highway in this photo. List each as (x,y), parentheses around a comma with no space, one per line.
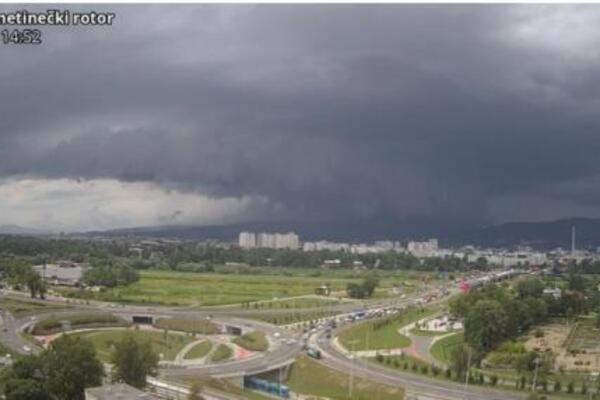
(280,354)
(285,348)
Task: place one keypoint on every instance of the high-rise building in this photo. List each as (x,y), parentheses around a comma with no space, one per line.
(288,240)
(423,249)
(247,240)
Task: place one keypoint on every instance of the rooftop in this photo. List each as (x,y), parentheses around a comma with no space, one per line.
(117,391)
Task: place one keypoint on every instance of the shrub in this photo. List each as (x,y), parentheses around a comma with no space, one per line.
(538,333)
(557,386)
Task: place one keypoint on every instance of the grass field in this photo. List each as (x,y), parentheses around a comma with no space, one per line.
(199,350)
(253,341)
(169,346)
(55,324)
(313,379)
(421,332)
(20,308)
(201,326)
(442,349)
(221,353)
(180,288)
(365,336)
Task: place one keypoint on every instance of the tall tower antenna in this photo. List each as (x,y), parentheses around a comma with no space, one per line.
(573,239)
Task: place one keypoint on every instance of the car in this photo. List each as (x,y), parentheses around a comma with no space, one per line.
(27,349)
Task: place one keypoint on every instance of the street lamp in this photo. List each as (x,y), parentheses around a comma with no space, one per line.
(351,380)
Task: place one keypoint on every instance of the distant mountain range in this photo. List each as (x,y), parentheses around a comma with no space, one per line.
(542,235)
(346,231)
(19,230)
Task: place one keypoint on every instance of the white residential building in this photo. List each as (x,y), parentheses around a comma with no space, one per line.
(423,249)
(287,241)
(247,240)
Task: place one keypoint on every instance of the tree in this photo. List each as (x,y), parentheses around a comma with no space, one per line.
(195,391)
(60,373)
(577,282)
(25,389)
(133,361)
(34,283)
(531,287)
(459,361)
(24,380)
(71,365)
(485,325)
(364,289)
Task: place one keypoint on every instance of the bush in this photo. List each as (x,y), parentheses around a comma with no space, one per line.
(557,386)
(570,387)
(538,333)
(253,341)
(54,324)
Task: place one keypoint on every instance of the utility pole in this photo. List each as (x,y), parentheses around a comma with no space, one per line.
(467,374)
(535,374)
(351,380)
(280,370)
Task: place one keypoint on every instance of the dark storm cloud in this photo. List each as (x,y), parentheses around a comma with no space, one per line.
(328,111)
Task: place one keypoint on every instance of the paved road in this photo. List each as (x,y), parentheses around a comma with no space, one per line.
(10,337)
(281,353)
(335,359)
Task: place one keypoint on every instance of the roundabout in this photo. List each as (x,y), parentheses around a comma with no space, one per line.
(220,344)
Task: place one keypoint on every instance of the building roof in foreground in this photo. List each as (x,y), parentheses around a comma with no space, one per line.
(117,391)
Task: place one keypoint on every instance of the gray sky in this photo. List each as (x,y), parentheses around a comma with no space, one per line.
(213,114)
